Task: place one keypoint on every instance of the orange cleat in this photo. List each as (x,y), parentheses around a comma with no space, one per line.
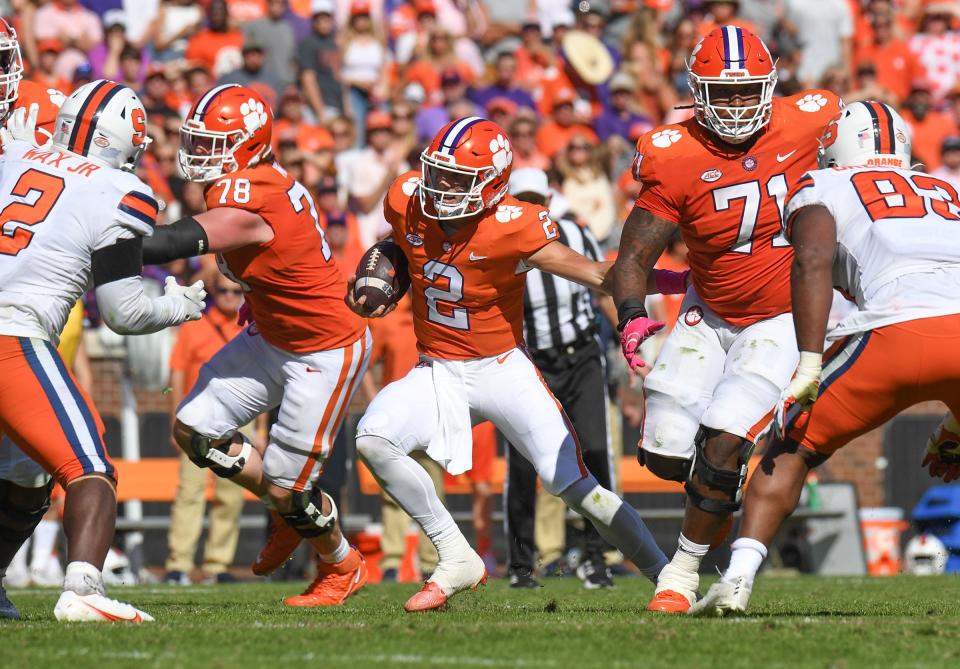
(281,543)
(431,596)
(669,601)
(334,583)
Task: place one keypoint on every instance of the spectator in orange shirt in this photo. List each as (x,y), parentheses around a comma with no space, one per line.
(340,225)
(197,342)
(437,58)
(724,13)
(291,126)
(525,151)
(534,57)
(555,134)
(45,72)
(895,64)
(928,127)
(216,48)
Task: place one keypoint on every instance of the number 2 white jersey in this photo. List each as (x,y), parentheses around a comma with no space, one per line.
(56,209)
(898,234)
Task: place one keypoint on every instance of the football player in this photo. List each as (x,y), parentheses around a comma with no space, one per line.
(72,214)
(305,351)
(722,178)
(887,236)
(467,244)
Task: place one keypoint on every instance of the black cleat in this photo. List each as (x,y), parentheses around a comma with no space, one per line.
(522,578)
(7,609)
(595,574)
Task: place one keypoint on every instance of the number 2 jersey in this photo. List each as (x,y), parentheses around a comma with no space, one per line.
(728,202)
(56,209)
(898,242)
(467,288)
(292,283)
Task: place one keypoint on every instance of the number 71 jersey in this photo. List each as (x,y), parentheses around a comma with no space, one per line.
(728,202)
(467,288)
(292,283)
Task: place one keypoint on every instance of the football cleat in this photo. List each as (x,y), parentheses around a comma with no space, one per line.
(676,590)
(724,598)
(94,607)
(281,543)
(942,458)
(595,574)
(668,601)
(448,579)
(7,608)
(334,582)
(523,578)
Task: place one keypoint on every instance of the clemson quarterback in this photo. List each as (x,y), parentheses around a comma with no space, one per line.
(722,178)
(467,244)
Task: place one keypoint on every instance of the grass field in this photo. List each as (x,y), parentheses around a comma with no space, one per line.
(795,622)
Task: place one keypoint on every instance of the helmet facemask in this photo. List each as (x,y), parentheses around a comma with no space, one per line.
(206,155)
(11,72)
(453,191)
(733,124)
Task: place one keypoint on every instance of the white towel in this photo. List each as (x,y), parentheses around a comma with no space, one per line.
(452,445)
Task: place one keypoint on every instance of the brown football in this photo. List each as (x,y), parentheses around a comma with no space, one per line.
(382,276)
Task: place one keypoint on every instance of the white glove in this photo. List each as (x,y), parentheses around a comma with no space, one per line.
(802,391)
(21,126)
(191,297)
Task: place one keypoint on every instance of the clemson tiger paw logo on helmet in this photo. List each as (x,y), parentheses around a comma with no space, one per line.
(812,102)
(508,212)
(254,115)
(502,155)
(665,138)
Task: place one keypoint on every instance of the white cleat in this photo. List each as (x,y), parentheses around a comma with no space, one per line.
(724,598)
(72,607)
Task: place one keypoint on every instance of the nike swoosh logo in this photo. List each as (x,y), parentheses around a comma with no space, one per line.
(111,617)
(475,258)
(311,369)
(780,158)
(504,357)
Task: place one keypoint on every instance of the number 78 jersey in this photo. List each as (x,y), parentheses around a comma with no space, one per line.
(467,288)
(728,202)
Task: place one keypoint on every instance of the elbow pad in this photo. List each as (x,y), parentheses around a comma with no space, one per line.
(182,239)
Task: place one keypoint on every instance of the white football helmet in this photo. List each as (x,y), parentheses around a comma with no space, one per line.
(925,555)
(866,133)
(104,121)
(11,68)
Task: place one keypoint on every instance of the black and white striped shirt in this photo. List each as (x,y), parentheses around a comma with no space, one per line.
(557,312)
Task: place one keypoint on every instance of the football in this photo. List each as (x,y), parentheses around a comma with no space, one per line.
(382,276)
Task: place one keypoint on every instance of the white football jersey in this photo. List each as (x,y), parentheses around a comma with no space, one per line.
(56,209)
(898,235)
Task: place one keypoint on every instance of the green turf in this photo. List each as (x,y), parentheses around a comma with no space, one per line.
(795,622)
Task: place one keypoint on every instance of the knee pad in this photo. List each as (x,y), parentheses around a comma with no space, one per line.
(668,469)
(730,481)
(20,513)
(203,452)
(307,517)
(592,501)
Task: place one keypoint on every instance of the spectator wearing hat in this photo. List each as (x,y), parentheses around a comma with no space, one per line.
(156,95)
(365,174)
(314,142)
(824,31)
(949,169)
(216,48)
(254,74)
(938,47)
(556,133)
(74,26)
(45,72)
(501,111)
(503,85)
(363,64)
(411,25)
(318,59)
(275,32)
(438,58)
(453,97)
(621,116)
(82,75)
(170,30)
(340,225)
(584,66)
(928,126)
(893,62)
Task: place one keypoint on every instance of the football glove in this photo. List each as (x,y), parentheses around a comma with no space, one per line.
(802,391)
(191,297)
(942,459)
(21,125)
(635,332)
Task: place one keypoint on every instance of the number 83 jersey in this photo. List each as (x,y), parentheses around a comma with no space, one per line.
(467,288)
(728,202)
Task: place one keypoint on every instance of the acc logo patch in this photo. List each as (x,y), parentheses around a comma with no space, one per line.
(812,102)
(693,316)
(508,212)
(664,139)
(415,240)
(711,175)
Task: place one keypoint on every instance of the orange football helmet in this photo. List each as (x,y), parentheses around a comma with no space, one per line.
(228,129)
(465,169)
(729,62)
(11,68)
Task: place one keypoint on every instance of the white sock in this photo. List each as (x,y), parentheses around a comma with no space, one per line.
(689,555)
(83,578)
(748,555)
(339,554)
(44,538)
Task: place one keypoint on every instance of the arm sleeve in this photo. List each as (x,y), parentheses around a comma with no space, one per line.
(126,309)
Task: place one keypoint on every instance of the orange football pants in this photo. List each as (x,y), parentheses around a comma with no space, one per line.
(869,378)
(46,413)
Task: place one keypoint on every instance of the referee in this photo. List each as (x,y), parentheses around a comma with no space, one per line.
(560,332)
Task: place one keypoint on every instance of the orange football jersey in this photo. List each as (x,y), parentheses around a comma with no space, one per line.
(467,288)
(292,283)
(728,201)
(48,99)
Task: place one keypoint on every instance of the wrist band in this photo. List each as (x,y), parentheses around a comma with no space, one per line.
(629,309)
